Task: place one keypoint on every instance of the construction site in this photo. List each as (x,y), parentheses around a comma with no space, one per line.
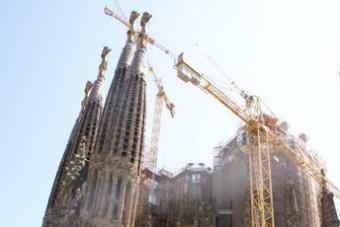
(107,178)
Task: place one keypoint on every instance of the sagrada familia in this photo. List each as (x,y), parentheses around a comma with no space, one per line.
(101,181)
(96,183)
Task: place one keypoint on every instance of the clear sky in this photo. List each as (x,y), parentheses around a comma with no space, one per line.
(287,52)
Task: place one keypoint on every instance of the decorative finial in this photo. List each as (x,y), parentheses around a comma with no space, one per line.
(88,87)
(103,65)
(145,19)
(143,22)
(133,17)
(105,53)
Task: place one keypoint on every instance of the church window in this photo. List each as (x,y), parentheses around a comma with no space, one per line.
(117,199)
(115,211)
(195,178)
(109,190)
(118,187)
(126,202)
(93,188)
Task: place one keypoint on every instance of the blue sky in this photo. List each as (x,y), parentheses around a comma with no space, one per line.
(288,52)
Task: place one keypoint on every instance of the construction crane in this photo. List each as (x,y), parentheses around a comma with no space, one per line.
(161,98)
(261,195)
(260,139)
(150,161)
(108,11)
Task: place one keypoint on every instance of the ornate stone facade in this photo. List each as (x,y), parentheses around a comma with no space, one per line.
(107,192)
(99,182)
(65,198)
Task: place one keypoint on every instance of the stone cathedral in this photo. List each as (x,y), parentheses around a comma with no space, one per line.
(100,181)
(98,177)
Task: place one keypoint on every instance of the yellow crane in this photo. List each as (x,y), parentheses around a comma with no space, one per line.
(161,98)
(108,11)
(260,138)
(150,161)
(261,196)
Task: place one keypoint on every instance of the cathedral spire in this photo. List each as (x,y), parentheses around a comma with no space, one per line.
(128,51)
(112,187)
(138,63)
(97,91)
(117,87)
(65,197)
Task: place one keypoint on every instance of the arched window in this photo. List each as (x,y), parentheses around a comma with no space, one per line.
(118,188)
(93,188)
(117,197)
(108,190)
(126,203)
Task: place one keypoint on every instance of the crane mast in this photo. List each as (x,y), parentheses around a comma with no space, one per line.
(260,138)
(161,98)
(151,159)
(261,196)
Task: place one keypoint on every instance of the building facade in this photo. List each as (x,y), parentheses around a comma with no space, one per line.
(183,199)
(298,199)
(199,196)
(100,182)
(64,203)
(97,183)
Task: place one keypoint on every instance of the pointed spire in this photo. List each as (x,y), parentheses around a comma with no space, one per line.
(97,89)
(65,200)
(133,17)
(129,49)
(120,140)
(138,63)
(145,19)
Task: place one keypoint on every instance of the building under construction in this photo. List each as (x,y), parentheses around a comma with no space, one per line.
(298,199)
(101,180)
(201,196)
(180,199)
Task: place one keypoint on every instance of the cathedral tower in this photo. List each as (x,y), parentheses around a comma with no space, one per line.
(112,186)
(65,197)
